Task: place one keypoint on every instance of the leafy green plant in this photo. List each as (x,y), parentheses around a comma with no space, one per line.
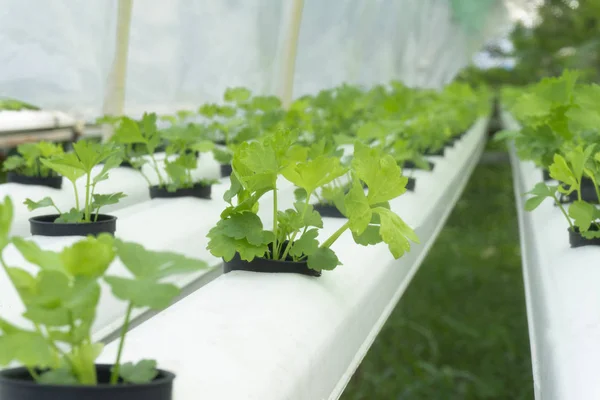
(16,105)
(62,296)
(242,117)
(28,160)
(80,163)
(570,171)
(256,168)
(184,142)
(547,112)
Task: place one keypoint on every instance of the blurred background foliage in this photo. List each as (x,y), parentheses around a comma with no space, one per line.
(565,34)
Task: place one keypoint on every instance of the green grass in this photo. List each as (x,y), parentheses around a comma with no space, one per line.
(460,330)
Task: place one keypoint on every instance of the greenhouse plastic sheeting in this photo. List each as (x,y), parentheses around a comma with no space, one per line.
(58,54)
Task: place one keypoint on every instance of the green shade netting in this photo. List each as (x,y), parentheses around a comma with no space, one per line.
(471,14)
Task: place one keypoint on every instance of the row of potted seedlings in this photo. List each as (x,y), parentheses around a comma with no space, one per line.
(559,133)
(343,150)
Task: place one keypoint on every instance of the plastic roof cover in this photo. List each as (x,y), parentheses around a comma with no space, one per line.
(57,54)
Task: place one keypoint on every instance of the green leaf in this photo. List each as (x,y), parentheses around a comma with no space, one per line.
(67,165)
(128,132)
(541,191)
(33,205)
(311,217)
(358,210)
(111,163)
(314,173)
(203,146)
(371,130)
(370,236)
(245,225)
(23,281)
(306,245)
(60,376)
(236,95)
(50,317)
(6,216)
(582,214)
(380,172)
(101,200)
(141,372)
(45,259)
(13,163)
(27,348)
(395,232)
(221,245)
(89,257)
(233,190)
(323,259)
(155,265)
(143,292)
(561,171)
(222,156)
(73,216)
(52,287)
(255,166)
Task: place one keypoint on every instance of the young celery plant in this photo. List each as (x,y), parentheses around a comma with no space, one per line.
(256,167)
(28,160)
(569,171)
(61,301)
(77,164)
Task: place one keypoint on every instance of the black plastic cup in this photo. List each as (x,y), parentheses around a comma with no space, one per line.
(51,181)
(199,191)
(226,170)
(439,153)
(411,165)
(269,266)
(328,210)
(17,384)
(576,240)
(44,225)
(410,185)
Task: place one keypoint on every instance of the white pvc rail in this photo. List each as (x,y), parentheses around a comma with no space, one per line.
(126,180)
(281,336)
(178,225)
(31,120)
(562,295)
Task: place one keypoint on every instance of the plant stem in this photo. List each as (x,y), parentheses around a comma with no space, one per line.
(76,196)
(326,244)
(562,209)
(33,374)
(114,377)
(275,254)
(289,245)
(86,215)
(155,164)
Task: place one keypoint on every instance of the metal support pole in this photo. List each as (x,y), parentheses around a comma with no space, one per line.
(290,50)
(114,98)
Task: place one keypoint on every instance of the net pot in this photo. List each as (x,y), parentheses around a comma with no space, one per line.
(328,210)
(44,225)
(410,185)
(546,175)
(269,266)
(199,191)
(588,193)
(51,181)
(411,165)
(576,240)
(439,152)
(17,384)
(226,170)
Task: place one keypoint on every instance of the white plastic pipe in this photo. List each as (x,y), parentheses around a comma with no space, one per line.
(281,336)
